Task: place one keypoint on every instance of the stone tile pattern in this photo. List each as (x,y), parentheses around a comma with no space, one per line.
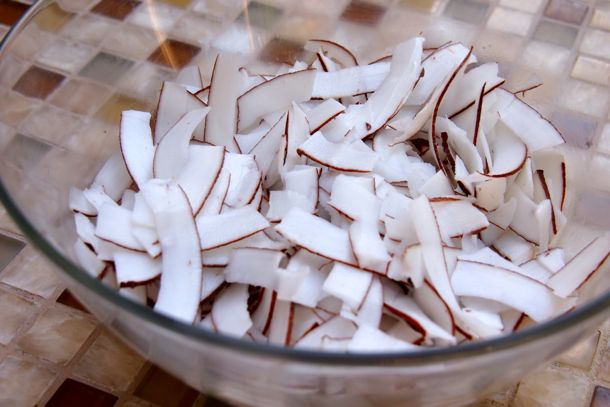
(53,352)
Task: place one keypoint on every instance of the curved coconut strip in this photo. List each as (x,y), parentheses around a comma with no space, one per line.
(437,66)
(114,225)
(369,250)
(317,236)
(465,92)
(345,156)
(296,134)
(391,94)
(113,178)
(212,281)
(174,102)
(173,150)
(230,311)
(507,287)
(199,173)
(461,144)
(509,154)
(336,327)
(370,311)
(212,205)
(281,202)
(225,87)
(190,76)
(514,248)
(180,290)
(274,95)
(78,203)
(323,114)
(332,50)
(229,227)
(348,284)
(245,179)
(253,266)
(457,218)
(134,268)
(428,299)
(581,267)
(350,81)
(137,147)
(526,123)
(352,200)
(266,150)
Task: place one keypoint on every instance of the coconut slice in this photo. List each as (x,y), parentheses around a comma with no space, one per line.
(97,198)
(113,178)
(190,76)
(332,50)
(435,186)
(461,144)
(212,205)
(245,179)
(199,173)
(87,259)
(526,123)
(225,87)
(370,311)
(254,267)
(127,199)
(220,230)
(134,268)
(114,225)
(230,312)
(352,200)
(514,248)
(436,67)
(302,280)
(173,150)
(296,134)
(368,246)
(274,95)
(507,287)
(349,284)
(350,81)
(503,215)
(336,328)
(137,145)
(174,102)
(581,267)
(508,154)
(247,141)
(393,92)
(457,217)
(490,193)
(428,299)
(304,320)
(346,156)
(371,339)
(281,324)
(428,232)
(281,202)
(143,226)
(262,316)
(408,267)
(305,181)
(535,270)
(465,92)
(405,308)
(212,281)
(78,203)
(266,151)
(544,216)
(181,278)
(323,114)
(552,260)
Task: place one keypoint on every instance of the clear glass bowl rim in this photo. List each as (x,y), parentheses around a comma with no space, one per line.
(414,358)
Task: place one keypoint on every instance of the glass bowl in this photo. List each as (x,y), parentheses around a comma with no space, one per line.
(70,66)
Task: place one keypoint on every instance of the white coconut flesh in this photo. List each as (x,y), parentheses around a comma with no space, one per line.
(406,203)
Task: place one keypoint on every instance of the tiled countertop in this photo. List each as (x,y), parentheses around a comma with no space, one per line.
(53,352)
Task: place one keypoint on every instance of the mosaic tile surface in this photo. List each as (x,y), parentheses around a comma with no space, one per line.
(52,351)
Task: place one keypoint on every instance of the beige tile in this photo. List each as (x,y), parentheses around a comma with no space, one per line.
(301,27)
(581,355)
(14,312)
(133,41)
(604,363)
(584,97)
(592,70)
(553,387)
(52,17)
(195,29)
(31,40)
(601,17)
(56,335)
(497,46)
(14,108)
(31,272)
(545,57)
(511,21)
(50,124)
(530,6)
(22,383)
(603,145)
(109,362)
(68,56)
(10,70)
(80,97)
(89,29)
(599,175)
(596,43)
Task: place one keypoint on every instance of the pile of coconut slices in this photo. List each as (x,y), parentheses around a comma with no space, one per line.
(405,203)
